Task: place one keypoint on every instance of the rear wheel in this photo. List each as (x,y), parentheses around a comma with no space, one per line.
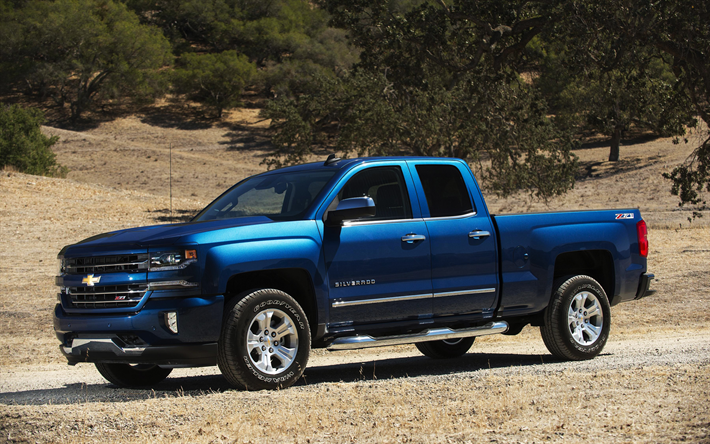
(447,348)
(136,375)
(578,319)
(265,341)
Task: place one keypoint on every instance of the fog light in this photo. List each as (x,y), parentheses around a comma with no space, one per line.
(171,321)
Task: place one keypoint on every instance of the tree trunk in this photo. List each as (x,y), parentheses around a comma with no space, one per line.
(615,140)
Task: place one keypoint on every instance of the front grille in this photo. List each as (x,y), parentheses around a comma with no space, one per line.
(127,263)
(108,296)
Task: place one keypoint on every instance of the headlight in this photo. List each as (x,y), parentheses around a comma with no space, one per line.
(61,266)
(172,260)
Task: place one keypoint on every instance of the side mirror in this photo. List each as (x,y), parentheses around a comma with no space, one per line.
(349,209)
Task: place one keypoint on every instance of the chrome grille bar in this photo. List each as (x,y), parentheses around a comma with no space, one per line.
(129,263)
(74,292)
(110,296)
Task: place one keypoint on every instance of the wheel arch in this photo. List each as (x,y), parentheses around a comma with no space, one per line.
(597,264)
(295,282)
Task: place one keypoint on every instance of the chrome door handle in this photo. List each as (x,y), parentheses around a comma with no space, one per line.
(411,238)
(477,234)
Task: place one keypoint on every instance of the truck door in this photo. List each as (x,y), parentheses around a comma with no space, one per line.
(379,267)
(462,238)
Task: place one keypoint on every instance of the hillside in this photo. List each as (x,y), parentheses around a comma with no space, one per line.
(119,179)
(134,154)
(644,387)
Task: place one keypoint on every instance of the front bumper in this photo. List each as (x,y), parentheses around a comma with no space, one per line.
(144,337)
(108,350)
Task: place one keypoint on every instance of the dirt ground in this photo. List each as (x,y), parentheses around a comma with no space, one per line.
(650,385)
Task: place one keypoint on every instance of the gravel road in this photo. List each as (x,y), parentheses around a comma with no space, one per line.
(61,384)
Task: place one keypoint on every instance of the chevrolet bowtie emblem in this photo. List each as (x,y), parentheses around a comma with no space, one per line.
(90,280)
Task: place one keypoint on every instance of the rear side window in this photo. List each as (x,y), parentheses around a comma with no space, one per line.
(445,191)
(385,185)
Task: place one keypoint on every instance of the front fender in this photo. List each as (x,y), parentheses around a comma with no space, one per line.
(225,261)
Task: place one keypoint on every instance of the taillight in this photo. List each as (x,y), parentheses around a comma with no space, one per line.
(642,232)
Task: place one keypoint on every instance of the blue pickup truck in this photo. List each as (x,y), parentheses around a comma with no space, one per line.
(342,254)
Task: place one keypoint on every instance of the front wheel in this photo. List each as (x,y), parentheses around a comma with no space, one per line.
(578,319)
(447,348)
(138,375)
(265,341)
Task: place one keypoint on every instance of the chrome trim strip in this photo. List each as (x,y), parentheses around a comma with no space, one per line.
(464,292)
(355,342)
(101,344)
(145,262)
(181,283)
(112,265)
(381,300)
(460,216)
(414,219)
(107,302)
(376,222)
(88,293)
(173,267)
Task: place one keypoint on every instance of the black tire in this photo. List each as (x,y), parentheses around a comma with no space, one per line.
(578,319)
(447,348)
(138,375)
(282,358)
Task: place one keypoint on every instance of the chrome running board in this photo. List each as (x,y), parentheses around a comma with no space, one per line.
(435,334)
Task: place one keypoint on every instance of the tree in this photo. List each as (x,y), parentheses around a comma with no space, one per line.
(684,35)
(214,79)
(608,76)
(22,144)
(643,94)
(438,80)
(76,51)
(289,40)
(678,33)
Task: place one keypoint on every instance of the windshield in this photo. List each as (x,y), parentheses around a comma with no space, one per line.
(284,196)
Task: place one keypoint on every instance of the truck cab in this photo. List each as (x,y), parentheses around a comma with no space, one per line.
(347,253)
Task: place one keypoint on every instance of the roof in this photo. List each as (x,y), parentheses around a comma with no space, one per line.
(348,163)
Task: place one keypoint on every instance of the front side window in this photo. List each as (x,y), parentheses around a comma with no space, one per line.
(284,196)
(445,191)
(385,185)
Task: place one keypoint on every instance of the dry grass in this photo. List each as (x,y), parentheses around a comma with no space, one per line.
(116,182)
(41,215)
(654,405)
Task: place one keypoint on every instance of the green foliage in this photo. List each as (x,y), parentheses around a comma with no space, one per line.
(214,79)
(606,79)
(434,80)
(188,22)
(639,40)
(683,33)
(692,178)
(289,40)
(433,77)
(365,114)
(22,144)
(76,51)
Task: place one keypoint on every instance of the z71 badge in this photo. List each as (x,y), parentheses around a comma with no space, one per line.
(625,216)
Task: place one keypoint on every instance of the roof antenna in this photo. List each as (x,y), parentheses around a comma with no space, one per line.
(331,159)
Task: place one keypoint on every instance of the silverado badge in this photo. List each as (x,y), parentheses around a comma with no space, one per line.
(90,280)
(354,283)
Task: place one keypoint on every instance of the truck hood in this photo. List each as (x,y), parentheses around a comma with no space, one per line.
(156,235)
